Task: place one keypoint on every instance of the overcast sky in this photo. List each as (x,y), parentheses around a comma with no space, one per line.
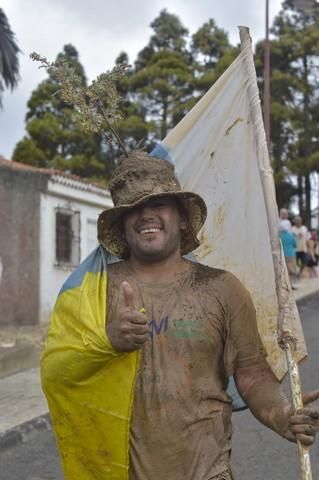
(100,30)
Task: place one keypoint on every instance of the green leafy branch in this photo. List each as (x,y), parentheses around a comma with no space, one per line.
(97,106)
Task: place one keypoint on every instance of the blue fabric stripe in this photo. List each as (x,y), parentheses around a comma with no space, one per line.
(95,262)
(161,152)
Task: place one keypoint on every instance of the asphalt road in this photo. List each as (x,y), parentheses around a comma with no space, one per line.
(258,453)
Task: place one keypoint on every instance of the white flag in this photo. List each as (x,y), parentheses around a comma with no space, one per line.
(219,151)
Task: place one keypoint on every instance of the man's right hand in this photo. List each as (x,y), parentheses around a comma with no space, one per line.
(128,331)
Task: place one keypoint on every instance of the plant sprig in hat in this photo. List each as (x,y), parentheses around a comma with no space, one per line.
(96,106)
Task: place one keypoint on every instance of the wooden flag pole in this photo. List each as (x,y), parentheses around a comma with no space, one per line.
(288,345)
(283,289)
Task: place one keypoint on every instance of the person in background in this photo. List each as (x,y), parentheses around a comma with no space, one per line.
(289,245)
(284,219)
(311,260)
(302,235)
(316,247)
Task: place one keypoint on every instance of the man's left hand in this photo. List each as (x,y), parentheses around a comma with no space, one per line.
(304,425)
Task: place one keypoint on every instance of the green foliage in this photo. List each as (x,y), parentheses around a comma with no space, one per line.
(170,76)
(212,54)
(95,107)
(314,161)
(27,151)
(59,135)
(70,123)
(210,43)
(294,98)
(161,82)
(162,86)
(169,33)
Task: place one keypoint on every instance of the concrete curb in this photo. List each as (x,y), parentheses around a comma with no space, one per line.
(18,434)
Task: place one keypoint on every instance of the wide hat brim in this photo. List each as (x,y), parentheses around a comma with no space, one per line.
(110,230)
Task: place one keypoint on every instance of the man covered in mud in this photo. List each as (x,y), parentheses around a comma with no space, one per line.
(141,346)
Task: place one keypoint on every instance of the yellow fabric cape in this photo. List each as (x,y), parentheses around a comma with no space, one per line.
(88,385)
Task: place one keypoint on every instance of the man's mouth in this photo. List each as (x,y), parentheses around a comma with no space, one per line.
(145,231)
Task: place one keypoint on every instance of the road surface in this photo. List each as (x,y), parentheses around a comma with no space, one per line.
(258,453)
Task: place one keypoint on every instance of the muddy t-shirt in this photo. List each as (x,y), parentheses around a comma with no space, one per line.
(202,326)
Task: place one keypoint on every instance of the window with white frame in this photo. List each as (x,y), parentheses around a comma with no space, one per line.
(67,237)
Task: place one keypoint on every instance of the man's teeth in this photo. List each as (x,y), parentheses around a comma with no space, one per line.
(150,230)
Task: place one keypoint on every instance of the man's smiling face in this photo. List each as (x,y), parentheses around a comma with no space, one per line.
(153,229)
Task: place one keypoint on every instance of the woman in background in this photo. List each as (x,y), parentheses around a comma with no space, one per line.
(289,245)
(311,259)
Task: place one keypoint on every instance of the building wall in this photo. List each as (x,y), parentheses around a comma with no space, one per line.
(19,245)
(52,275)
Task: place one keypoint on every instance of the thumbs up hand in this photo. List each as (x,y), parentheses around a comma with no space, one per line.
(128,331)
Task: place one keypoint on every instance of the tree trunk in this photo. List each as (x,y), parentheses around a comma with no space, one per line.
(301,203)
(307,143)
(307,219)
(164,120)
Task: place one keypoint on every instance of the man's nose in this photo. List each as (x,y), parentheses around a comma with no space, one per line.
(146,211)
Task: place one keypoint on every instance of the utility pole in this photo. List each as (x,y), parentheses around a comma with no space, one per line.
(267,79)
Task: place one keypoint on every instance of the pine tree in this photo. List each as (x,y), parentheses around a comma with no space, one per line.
(294,101)
(161,83)
(54,137)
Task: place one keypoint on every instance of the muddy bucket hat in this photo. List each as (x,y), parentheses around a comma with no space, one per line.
(138,178)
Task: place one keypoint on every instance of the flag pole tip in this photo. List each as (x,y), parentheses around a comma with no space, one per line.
(244,35)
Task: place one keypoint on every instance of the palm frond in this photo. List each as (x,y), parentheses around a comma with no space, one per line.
(9,61)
